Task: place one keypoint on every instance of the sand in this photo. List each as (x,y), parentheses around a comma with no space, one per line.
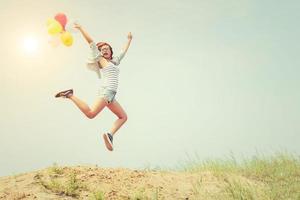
(83,182)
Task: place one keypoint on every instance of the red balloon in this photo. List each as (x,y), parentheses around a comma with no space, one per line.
(62,19)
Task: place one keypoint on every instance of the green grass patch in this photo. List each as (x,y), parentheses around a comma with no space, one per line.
(98,195)
(69,186)
(275,177)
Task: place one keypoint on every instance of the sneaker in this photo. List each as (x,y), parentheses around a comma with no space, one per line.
(108,139)
(65,94)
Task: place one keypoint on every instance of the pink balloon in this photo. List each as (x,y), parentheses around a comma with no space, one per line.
(54,41)
(62,19)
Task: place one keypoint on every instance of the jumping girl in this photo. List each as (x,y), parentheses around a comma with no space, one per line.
(103,62)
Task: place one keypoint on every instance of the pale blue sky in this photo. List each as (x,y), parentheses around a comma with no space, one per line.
(205,77)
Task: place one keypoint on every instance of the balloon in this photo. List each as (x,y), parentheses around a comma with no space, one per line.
(54,41)
(66,38)
(50,21)
(62,19)
(57,29)
(54,28)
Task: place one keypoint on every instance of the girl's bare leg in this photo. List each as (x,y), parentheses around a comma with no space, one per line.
(89,112)
(116,108)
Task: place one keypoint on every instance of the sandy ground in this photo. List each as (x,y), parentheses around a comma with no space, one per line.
(117,183)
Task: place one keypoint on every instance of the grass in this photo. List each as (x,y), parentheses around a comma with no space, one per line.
(56,170)
(98,195)
(141,194)
(64,183)
(275,177)
(70,187)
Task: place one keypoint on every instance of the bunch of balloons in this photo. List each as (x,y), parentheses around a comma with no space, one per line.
(57,29)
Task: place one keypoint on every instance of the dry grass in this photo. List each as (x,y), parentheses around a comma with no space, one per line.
(259,178)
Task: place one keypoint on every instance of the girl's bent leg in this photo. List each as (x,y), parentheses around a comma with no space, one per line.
(89,112)
(116,108)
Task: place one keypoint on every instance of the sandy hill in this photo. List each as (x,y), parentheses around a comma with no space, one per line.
(98,183)
(275,178)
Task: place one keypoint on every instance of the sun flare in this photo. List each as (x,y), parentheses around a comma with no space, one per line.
(30,45)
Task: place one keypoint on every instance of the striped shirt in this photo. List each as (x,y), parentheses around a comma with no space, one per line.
(110,76)
(110,73)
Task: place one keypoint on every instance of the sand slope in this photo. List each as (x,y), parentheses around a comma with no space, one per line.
(84,182)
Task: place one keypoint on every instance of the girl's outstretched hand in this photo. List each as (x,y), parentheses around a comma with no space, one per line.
(129,36)
(76,25)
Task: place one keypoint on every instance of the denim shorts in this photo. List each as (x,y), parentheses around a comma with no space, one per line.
(107,94)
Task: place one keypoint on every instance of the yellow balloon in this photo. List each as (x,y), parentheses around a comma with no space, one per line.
(66,38)
(54,28)
(50,21)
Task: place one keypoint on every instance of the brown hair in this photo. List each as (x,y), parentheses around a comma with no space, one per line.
(100,44)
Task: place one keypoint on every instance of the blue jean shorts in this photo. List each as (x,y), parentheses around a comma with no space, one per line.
(107,94)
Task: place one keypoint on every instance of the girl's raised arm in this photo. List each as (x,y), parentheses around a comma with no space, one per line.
(125,48)
(86,36)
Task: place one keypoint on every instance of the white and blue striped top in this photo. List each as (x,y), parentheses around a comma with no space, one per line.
(110,76)
(110,73)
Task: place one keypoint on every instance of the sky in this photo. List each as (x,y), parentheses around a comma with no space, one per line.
(201,78)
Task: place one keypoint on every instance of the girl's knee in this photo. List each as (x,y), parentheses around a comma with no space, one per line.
(90,115)
(124,118)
